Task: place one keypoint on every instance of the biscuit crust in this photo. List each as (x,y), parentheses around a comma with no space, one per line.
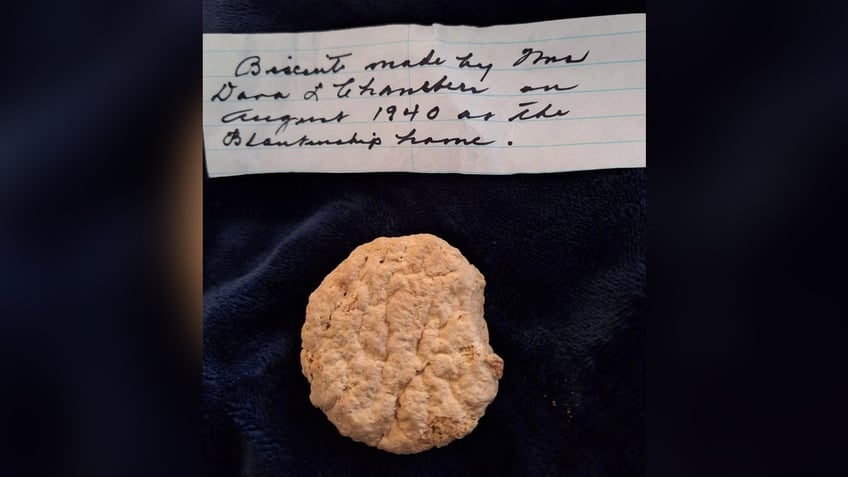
(395,346)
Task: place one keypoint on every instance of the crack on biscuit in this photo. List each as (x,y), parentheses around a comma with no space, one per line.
(328,324)
(383,372)
(430,310)
(359,328)
(428,437)
(441,275)
(341,393)
(357,335)
(352,304)
(397,406)
(383,288)
(333,404)
(418,344)
(388,329)
(444,325)
(383,435)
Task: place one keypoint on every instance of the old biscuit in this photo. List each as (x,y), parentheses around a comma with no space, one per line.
(395,346)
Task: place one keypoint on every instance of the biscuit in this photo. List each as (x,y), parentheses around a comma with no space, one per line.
(395,346)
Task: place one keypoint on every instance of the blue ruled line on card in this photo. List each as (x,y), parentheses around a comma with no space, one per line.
(433,40)
(489,146)
(400,122)
(450,67)
(424,95)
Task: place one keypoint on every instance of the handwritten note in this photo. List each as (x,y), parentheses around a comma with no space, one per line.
(542,97)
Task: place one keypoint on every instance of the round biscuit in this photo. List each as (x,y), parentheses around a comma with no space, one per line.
(395,346)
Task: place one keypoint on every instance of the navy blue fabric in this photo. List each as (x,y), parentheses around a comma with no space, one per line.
(564,256)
